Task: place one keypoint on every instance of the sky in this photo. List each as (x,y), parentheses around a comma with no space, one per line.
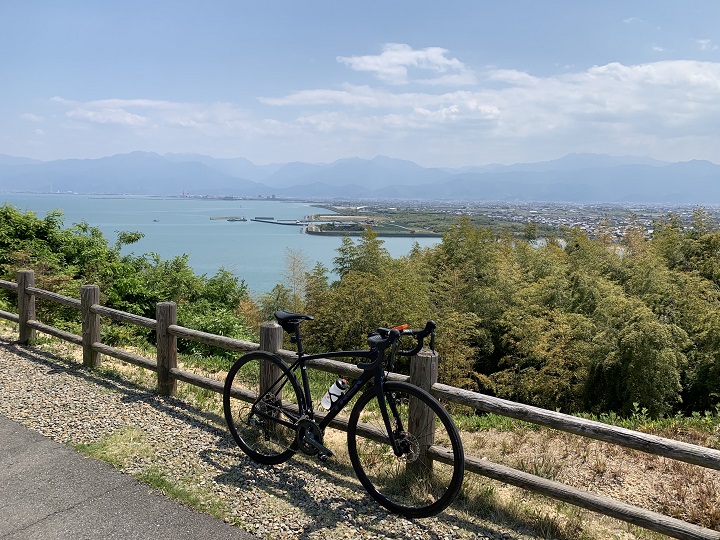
(443,84)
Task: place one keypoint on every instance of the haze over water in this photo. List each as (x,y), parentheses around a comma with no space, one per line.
(253,251)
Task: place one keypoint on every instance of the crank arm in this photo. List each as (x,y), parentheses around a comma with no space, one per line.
(324,451)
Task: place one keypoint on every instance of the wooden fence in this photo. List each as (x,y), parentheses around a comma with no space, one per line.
(165,365)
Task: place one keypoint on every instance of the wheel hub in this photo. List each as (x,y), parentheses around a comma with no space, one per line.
(409,446)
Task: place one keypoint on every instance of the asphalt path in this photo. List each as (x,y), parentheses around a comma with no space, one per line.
(50,491)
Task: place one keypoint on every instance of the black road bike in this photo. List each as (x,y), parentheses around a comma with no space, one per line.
(402,443)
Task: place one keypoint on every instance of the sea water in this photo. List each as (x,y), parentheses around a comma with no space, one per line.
(253,251)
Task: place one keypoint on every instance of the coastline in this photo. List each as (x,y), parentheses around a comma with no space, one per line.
(379,234)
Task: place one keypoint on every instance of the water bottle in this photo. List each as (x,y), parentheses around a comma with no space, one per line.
(334,392)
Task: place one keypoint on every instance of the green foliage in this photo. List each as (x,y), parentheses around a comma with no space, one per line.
(461,340)
(578,325)
(367,255)
(206,317)
(640,359)
(374,290)
(66,258)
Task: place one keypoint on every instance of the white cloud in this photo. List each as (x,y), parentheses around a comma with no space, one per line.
(107,116)
(393,64)
(156,114)
(512,76)
(650,109)
(357,96)
(664,109)
(30,117)
(706,45)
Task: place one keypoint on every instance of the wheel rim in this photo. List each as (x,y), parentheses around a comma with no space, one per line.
(252,422)
(411,484)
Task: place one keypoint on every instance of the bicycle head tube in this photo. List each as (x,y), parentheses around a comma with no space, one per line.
(379,344)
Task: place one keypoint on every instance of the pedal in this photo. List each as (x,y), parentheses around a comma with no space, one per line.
(324,457)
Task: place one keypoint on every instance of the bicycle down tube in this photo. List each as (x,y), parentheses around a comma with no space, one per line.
(374,374)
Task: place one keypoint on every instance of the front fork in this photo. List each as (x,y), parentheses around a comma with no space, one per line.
(388,407)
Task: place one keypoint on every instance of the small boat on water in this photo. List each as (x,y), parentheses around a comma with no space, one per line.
(237,219)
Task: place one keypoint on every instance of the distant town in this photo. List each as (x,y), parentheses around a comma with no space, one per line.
(528,219)
(522,219)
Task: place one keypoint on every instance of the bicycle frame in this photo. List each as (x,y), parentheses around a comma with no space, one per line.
(281,420)
(374,374)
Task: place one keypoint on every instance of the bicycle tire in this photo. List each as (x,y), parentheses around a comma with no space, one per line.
(413,485)
(251,421)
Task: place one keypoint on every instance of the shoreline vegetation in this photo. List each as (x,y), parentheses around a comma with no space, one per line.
(380,234)
(582,325)
(351,225)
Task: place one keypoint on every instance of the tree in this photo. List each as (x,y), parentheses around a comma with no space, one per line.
(295,279)
(396,292)
(278,299)
(639,359)
(367,255)
(530,232)
(317,286)
(461,339)
(667,241)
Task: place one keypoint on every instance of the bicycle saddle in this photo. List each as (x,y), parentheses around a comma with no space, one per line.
(288,320)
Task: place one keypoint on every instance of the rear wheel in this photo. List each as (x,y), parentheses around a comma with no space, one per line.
(260,401)
(428,474)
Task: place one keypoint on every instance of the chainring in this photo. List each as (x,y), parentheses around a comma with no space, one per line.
(308,426)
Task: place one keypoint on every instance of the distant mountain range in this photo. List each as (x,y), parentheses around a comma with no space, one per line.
(579,178)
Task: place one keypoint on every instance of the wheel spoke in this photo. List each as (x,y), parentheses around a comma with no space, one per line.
(413,483)
(261,407)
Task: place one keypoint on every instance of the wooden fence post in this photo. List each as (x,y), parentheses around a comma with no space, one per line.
(89,295)
(423,373)
(166,314)
(271,337)
(26,305)
(271,340)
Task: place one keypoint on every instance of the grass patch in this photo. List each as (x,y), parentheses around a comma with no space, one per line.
(211,364)
(698,428)
(183,493)
(124,446)
(472,422)
(119,448)
(540,465)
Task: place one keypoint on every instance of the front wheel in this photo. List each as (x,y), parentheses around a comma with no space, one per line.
(261,403)
(414,484)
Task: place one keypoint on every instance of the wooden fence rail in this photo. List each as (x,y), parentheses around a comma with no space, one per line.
(422,374)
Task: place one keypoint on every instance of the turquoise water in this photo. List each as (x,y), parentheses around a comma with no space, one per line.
(253,251)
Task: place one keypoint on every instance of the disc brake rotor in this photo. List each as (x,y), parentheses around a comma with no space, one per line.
(409,446)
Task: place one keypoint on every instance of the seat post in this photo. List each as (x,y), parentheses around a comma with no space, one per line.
(297,339)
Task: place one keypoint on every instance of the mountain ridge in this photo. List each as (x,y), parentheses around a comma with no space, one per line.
(578,178)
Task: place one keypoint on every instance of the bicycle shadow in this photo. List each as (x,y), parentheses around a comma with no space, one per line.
(331,510)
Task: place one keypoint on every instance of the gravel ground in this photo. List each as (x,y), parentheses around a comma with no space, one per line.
(302,499)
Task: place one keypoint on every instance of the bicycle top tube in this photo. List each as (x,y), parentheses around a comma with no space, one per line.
(378,341)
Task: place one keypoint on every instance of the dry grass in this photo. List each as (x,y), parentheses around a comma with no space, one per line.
(687,492)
